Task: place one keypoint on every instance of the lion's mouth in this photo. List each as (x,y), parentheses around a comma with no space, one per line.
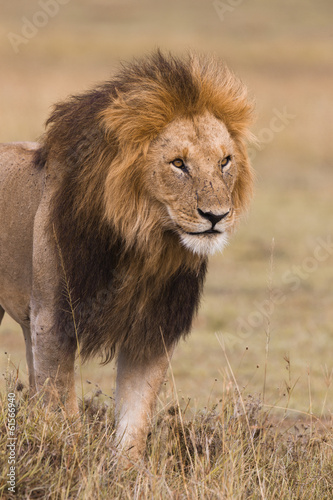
(209,231)
(200,233)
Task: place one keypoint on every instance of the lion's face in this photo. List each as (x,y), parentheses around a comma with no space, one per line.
(192,173)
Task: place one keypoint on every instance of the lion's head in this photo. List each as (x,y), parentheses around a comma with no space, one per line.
(181,128)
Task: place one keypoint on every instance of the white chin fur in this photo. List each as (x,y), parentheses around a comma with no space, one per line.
(204,245)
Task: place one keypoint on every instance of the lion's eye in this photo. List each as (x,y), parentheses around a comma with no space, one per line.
(225,161)
(178,163)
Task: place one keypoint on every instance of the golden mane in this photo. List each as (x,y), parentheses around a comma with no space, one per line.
(116,254)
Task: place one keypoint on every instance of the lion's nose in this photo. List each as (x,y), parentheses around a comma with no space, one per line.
(213,218)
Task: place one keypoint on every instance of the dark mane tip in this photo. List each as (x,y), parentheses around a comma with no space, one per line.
(40,158)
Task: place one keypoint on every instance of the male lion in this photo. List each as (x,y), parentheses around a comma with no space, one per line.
(106,225)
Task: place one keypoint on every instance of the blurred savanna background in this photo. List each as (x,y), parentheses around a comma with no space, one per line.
(267,312)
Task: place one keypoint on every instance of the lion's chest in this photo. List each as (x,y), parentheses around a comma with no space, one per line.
(139,316)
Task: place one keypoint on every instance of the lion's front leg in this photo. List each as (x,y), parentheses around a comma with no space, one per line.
(138,384)
(54,364)
(53,351)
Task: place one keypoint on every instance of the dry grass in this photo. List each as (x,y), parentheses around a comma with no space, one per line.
(235,449)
